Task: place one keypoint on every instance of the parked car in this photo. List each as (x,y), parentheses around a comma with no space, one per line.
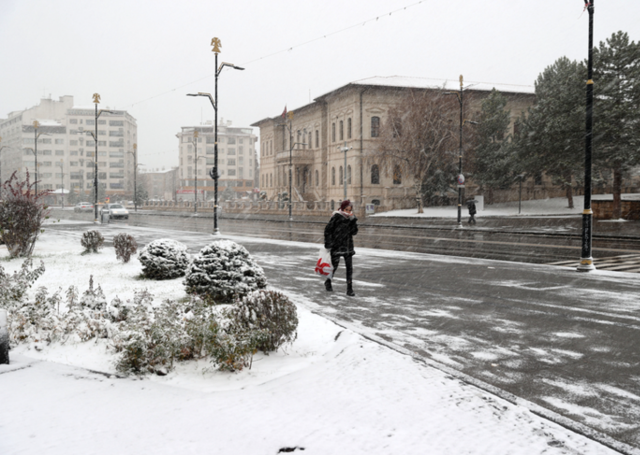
(83,207)
(115,211)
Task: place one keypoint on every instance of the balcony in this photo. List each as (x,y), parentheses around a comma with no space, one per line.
(298,156)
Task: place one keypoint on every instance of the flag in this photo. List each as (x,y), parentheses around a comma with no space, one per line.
(284,113)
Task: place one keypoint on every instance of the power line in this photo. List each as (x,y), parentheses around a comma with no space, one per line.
(288,49)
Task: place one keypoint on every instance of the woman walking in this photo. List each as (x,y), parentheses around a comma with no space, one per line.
(338,237)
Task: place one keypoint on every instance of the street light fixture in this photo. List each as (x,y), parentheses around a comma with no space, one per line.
(135,173)
(195,145)
(96,101)
(215,43)
(586,260)
(345,149)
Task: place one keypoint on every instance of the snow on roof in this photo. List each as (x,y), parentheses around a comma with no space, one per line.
(449,84)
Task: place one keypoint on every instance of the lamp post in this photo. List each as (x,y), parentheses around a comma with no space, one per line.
(96,101)
(1,147)
(135,173)
(460,179)
(61,164)
(216,44)
(291,145)
(586,260)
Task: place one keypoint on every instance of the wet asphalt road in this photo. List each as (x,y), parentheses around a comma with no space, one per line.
(564,340)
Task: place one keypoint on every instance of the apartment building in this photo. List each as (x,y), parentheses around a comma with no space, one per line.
(237,160)
(66,151)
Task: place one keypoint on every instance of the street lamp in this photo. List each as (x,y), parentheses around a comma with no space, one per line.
(96,101)
(586,260)
(215,42)
(61,163)
(135,173)
(34,150)
(291,145)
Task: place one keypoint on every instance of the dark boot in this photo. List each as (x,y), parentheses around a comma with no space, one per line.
(350,292)
(327,285)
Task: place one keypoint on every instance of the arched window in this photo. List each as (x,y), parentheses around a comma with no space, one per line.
(375,175)
(333,175)
(349,175)
(375,126)
(349,128)
(341,179)
(317,178)
(341,130)
(317,138)
(333,132)
(310,143)
(397,175)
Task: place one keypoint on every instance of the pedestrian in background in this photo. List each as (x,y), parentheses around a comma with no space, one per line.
(471,205)
(338,238)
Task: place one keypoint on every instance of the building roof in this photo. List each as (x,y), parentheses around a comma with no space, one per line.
(447,84)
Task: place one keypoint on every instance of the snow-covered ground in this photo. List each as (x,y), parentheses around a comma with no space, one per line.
(551,206)
(331,392)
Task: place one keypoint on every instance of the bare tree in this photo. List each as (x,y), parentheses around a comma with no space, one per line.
(418,137)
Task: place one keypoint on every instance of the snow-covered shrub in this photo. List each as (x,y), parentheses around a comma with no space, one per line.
(267,310)
(125,245)
(164,259)
(22,214)
(13,288)
(93,298)
(222,271)
(92,241)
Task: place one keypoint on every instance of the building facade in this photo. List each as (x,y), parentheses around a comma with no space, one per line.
(237,160)
(350,118)
(65,151)
(160,185)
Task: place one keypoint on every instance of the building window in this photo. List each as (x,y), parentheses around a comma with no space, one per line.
(397,175)
(349,175)
(341,130)
(375,126)
(317,178)
(59,152)
(333,175)
(349,128)
(310,143)
(341,177)
(59,141)
(317,138)
(73,121)
(333,132)
(375,175)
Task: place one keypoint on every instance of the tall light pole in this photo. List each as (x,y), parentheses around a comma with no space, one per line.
(135,173)
(96,101)
(216,44)
(460,178)
(1,147)
(291,145)
(61,164)
(36,125)
(586,260)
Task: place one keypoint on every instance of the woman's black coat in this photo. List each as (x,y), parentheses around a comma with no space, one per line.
(338,234)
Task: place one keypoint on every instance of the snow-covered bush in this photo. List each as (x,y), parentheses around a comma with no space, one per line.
(22,214)
(13,288)
(164,259)
(125,245)
(222,271)
(92,241)
(267,310)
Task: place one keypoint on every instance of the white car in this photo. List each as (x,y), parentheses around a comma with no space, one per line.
(115,211)
(83,207)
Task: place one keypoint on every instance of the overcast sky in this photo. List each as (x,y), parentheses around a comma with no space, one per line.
(145,56)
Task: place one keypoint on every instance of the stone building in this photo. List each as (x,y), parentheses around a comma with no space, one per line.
(66,153)
(160,184)
(237,160)
(351,118)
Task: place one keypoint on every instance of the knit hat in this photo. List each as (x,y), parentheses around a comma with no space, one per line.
(346,203)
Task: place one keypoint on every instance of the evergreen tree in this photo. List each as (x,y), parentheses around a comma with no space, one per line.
(494,165)
(551,134)
(616,114)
